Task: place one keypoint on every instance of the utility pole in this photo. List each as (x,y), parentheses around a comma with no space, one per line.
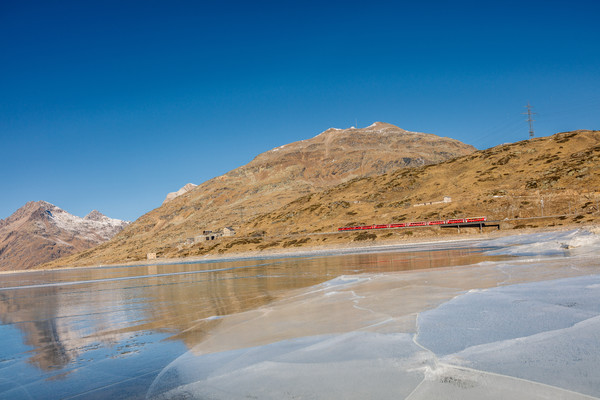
(529,119)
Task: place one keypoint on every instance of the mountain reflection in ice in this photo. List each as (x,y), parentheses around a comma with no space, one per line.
(528,328)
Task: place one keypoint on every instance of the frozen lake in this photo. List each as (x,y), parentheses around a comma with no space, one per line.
(517,317)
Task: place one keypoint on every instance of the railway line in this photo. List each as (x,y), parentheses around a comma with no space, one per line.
(458,223)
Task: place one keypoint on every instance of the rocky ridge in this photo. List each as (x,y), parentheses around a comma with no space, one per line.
(178,193)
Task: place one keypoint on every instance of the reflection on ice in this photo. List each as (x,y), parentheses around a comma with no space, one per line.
(520,329)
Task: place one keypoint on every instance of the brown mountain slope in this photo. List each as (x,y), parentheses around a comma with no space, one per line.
(271,180)
(556,175)
(39,232)
(520,180)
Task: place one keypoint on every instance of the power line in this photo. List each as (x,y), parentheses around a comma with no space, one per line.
(503,130)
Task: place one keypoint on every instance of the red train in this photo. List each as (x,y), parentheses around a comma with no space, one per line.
(420,223)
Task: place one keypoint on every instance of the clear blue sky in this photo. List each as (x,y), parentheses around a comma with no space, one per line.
(109,105)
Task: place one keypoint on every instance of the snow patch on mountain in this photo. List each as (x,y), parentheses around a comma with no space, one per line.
(93,226)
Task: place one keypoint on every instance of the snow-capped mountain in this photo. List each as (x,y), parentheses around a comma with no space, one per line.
(40,232)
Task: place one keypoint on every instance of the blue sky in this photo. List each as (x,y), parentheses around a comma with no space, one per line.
(110,105)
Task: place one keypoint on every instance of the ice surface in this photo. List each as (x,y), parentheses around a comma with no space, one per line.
(523,328)
(343,280)
(356,365)
(451,383)
(547,332)
(508,312)
(577,241)
(567,357)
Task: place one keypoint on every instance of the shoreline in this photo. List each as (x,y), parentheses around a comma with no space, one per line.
(332,249)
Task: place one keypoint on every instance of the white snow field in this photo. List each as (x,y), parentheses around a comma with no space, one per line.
(527,327)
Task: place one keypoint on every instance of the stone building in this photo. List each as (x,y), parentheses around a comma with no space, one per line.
(227,231)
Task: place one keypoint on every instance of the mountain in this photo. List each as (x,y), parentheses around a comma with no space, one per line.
(271,180)
(178,193)
(39,232)
(543,182)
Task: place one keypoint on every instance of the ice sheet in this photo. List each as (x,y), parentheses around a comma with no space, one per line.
(356,365)
(578,241)
(567,358)
(547,332)
(448,382)
(457,333)
(508,312)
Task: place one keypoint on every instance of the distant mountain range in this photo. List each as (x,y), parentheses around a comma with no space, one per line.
(39,232)
(270,181)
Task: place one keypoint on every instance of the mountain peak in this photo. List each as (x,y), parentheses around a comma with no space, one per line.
(31,209)
(374,127)
(38,204)
(95,215)
(178,193)
(382,125)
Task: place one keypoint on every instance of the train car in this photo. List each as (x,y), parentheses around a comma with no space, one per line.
(476,219)
(436,222)
(420,223)
(349,228)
